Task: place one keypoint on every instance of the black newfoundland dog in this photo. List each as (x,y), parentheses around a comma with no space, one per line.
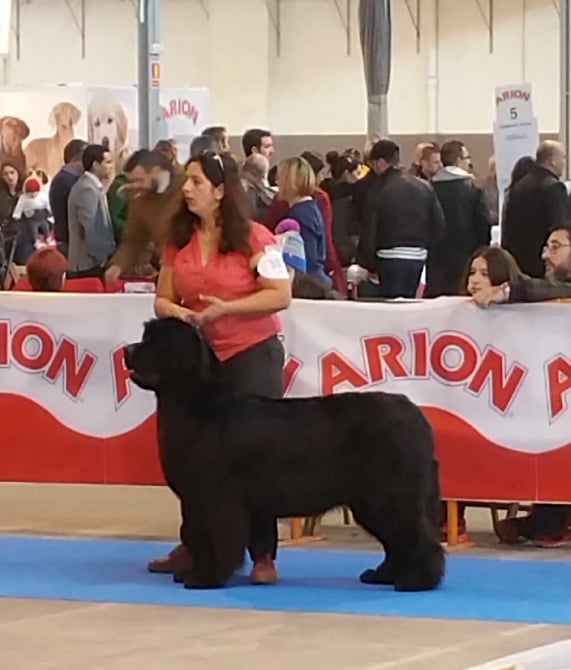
(231,458)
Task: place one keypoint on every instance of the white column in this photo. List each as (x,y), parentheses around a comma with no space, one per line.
(239,63)
(430,32)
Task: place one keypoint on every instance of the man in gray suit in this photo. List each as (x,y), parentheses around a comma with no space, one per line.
(91,238)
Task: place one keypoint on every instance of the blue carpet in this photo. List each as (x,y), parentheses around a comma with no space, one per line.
(311,581)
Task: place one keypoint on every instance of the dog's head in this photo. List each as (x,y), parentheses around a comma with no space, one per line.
(171,354)
(107,124)
(13,131)
(64,116)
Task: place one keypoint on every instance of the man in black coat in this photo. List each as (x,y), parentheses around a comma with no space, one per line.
(401,222)
(537,204)
(60,188)
(467,221)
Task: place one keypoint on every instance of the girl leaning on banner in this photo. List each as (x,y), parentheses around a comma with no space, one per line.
(488,266)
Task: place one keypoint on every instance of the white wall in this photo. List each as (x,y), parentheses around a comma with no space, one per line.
(313,87)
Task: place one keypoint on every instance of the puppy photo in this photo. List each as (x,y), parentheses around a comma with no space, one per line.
(234,459)
(46,153)
(108,125)
(13,131)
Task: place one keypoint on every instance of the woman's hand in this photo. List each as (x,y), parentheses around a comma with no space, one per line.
(215,310)
(487,296)
(184,314)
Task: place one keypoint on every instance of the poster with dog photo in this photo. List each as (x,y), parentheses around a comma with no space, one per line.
(186,112)
(112,120)
(36,124)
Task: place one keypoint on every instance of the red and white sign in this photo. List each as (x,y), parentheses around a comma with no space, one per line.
(494,385)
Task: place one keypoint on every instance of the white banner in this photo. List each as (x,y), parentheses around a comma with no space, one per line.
(494,383)
(516,133)
(37,124)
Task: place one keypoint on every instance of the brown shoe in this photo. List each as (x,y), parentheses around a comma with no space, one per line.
(264,571)
(178,561)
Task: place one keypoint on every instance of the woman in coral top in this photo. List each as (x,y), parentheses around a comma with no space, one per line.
(221,273)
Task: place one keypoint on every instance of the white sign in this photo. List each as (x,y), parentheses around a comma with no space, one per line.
(186,112)
(516,132)
(513,103)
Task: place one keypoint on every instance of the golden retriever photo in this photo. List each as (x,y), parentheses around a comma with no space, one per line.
(107,124)
(46,153)
(13,132)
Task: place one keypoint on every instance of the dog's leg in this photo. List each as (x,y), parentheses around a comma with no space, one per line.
(371,520)
(218,549)
(414,558)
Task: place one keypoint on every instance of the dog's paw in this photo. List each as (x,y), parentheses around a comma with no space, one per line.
(414,585)
(193,582)
(380,576)
(179,577)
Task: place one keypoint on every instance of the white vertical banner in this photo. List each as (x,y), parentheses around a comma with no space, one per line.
(516,132)
(186,112)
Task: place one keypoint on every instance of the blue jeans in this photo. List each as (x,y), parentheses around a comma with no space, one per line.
(399,277)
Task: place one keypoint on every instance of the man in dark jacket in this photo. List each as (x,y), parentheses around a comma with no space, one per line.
(537,204)
(402,220)
(467,221)
(547,525)
(60,189)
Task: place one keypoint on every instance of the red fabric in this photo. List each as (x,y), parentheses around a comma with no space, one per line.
(84,285)
(278,211)
(228,277)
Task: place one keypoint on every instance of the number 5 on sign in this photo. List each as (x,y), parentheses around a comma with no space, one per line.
(513,104)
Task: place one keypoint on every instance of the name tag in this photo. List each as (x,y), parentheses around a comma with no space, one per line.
(271,264)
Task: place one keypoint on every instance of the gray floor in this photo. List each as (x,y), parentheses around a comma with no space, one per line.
(72,636)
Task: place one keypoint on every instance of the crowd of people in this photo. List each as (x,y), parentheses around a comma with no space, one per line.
(229,241)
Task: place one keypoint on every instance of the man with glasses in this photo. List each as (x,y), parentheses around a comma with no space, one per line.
(537,204)
(547,525)
(467,221)
(555,285)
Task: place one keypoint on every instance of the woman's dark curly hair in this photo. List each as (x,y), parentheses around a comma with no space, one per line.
(234,212)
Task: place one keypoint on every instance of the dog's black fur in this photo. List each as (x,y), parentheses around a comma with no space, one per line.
(232,458)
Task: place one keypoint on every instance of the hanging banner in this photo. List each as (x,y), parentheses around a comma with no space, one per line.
(498,406)
(36,124)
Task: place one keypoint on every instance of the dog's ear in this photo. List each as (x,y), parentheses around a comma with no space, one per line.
(23,129)
(74,112)
(122,125)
